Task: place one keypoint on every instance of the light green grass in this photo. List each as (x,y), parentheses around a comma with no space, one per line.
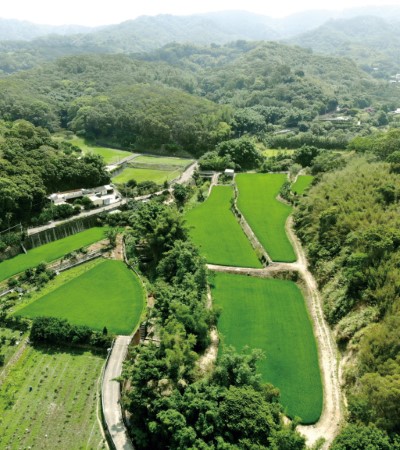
(7,349)
(110,155)
(271,315)
(274,152)
(302,183)
(214,228)
(158,176)
(266,215)
(50,252)
(165,161)
(60,411)
(108,295)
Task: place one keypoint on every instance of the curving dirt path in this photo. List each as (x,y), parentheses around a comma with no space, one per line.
(332,417)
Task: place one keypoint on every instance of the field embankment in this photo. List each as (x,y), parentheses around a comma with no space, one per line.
(214,228)
(265,214)
(50,252)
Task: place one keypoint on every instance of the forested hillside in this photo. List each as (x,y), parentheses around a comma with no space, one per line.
(350,226)
(32,166)
(190,97)
(370,41)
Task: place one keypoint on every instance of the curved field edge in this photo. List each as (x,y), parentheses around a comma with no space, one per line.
(50,252)
(214,228)
(302,183)
(108,295)
(265,214)
(271,314)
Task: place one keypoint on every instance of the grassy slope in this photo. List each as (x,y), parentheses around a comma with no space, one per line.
(110,155)
(266,215)
(214,229)
(50,252)
(158,176)
(62,404)
(271,315)
(302,183)
(108,295)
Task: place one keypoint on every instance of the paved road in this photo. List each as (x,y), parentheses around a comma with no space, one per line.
(111,395)
(184,178)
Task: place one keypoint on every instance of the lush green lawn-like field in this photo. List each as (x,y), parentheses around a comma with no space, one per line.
(214,228)
(60,411)
(158,176)
(265,214)
(271,315)
(274,152)
(109,294)
(50,252)
(302,183)
(164,161)
(110,155)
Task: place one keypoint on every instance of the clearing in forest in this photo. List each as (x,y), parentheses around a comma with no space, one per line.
(302,183)
(265,214)
(50,252)
(110,155)
(271,315)
(49,400)
(153,168)
(139,175)
(107,295)
(214,228)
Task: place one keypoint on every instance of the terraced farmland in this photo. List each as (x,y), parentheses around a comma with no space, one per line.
(271,315)
(50,252)
(214,228)
(49,401)
(265,214)
(302,183)
(109,294)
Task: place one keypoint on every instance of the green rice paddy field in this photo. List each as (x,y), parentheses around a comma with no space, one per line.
(158,176)
(265,214)
(108,294)
(60,411)
(214,228)
(164,161)
(271,315)
(50,252)
(302,183)
(110,155)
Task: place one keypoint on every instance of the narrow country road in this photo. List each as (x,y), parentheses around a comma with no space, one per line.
(111,395)
(184,178)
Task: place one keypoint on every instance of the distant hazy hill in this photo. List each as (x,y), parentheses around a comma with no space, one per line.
(370,41)
(11,29)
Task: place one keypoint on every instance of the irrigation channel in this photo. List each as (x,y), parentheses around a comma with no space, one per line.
(332,416)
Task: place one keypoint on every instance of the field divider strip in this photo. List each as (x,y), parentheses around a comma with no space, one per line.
(256,244)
